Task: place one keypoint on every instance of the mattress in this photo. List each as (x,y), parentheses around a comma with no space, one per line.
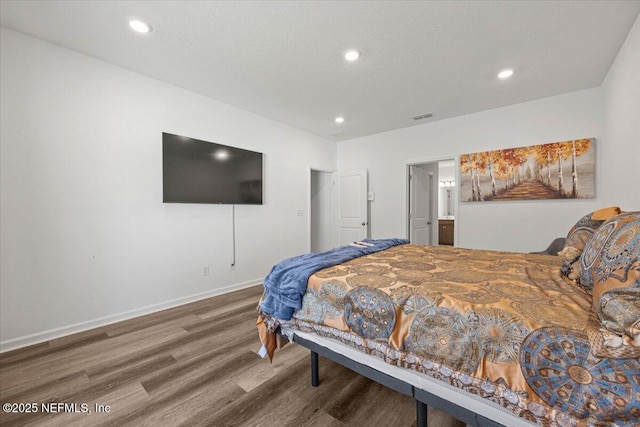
(503,331)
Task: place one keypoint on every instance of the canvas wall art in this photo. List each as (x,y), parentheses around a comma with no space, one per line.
(557,170)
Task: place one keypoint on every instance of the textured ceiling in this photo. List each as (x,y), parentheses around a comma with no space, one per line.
(283,59)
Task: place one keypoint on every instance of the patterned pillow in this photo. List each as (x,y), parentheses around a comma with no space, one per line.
(578,237)
(582,231)
(619,312)
(614,345)
(610,265)
(611,258)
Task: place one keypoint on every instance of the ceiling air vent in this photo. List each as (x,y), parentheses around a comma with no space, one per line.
(423,116)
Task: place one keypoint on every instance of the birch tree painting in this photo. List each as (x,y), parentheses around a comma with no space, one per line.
(558,170)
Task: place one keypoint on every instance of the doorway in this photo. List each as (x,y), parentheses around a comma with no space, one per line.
(423,204)
(338,208)
(320,211)
(432,202)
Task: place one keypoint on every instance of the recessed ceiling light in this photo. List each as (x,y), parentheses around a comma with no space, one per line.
(351,55)
(139,26)
(339,119)
(505,74)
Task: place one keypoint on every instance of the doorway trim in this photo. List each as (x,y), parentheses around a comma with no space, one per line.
(407,191)
(310,169)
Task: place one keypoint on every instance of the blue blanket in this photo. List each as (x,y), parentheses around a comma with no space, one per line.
(287,282)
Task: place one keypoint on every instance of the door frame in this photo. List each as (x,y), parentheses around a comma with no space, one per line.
(310,170)
(407,191)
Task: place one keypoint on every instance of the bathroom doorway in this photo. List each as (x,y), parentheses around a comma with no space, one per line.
(432,202)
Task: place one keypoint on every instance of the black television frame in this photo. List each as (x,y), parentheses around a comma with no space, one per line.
(202,155)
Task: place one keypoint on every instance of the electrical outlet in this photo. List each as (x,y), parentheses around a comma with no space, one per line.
(205,270)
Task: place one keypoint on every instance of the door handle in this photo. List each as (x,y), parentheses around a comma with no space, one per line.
(364,223)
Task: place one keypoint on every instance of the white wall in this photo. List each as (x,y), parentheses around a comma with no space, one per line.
(621,126)
(85,237)
(516,226)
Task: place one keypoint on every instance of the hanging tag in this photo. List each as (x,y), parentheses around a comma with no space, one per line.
(262,352)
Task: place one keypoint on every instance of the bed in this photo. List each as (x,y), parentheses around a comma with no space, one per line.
(495,338)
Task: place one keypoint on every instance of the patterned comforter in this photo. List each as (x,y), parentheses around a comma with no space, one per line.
(505,326)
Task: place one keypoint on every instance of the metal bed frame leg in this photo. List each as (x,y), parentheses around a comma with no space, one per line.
(315,377)
(421,414)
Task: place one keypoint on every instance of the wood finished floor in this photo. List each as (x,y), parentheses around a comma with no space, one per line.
(193,365)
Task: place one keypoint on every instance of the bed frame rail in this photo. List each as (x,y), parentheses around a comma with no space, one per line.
(422,397)
(364,370)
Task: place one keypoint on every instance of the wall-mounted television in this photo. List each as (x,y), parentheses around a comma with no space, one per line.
(195,171)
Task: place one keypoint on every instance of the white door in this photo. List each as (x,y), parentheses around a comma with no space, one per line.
(423,181)
(350,207)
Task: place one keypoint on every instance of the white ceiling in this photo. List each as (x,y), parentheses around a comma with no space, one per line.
(283,59)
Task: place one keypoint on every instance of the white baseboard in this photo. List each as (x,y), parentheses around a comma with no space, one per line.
(39,337)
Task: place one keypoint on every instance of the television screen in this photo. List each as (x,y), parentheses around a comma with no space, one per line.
(195,171)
